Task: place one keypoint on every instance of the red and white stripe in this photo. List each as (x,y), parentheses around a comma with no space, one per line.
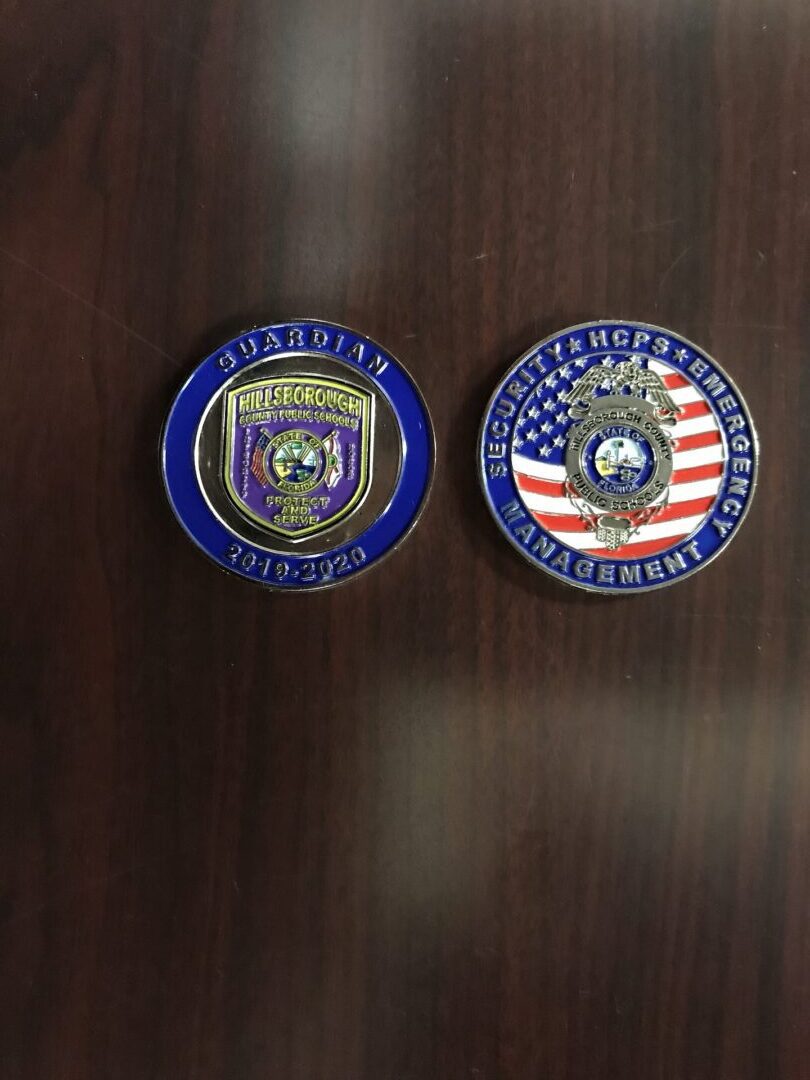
(257,466)
(697,474)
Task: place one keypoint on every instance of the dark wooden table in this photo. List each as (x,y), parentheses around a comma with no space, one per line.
(451,821)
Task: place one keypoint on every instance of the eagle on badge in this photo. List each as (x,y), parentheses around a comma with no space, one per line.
(641,383)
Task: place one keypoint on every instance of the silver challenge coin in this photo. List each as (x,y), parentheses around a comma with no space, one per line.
(298,455)
(618,457)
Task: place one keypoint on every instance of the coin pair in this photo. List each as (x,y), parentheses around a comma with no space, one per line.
(616,456)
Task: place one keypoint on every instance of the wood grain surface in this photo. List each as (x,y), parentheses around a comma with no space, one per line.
(450,821)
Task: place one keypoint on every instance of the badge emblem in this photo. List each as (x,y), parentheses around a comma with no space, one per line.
(618,457)
(298,455)
(295,478)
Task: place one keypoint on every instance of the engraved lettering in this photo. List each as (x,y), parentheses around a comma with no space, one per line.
(693,550)
(247,348)
(512,511)
(561,561)
(674,563)
(660,346)
(543,547)
(537,364)
(723,527)
(505,408)
(515,390)
(735,422)
(714,385)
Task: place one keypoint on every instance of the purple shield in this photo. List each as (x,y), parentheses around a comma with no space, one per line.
(297,452)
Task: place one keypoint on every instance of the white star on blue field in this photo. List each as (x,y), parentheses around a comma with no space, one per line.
(543,421)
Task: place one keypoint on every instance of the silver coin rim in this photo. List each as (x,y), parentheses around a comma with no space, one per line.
(593,589)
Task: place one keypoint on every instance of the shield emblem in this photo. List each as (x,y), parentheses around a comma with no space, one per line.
(297,452)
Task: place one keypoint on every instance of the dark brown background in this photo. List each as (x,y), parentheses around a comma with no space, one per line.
(450,821)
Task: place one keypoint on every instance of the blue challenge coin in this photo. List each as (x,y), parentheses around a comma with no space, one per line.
(298,455)
(618,457)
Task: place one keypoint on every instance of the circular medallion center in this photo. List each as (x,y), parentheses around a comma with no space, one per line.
(296,461)
(618,460)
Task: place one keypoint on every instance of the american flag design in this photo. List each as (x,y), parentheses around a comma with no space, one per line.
(257,460)
(538,462)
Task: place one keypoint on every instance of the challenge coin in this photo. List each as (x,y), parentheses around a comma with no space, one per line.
(298,455)
(618,457)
